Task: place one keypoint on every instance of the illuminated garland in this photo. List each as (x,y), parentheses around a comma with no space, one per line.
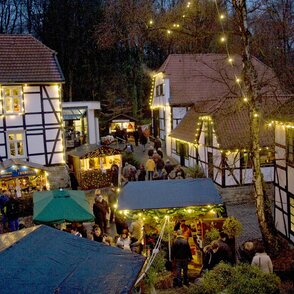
(92,179)
(157,215)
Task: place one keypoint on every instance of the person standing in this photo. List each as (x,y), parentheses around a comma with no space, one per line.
(12,212)
(157,143)
(262,260)
(114,170)
(143,141)
(181,254)
(150,167)
(112,201)
(136,137)
(141,175)
(99,210)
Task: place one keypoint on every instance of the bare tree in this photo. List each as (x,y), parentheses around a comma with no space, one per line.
(252,93)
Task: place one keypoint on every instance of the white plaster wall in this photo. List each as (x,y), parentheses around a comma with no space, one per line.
(92,131)
(14,120)
(268,173)
(58,147)
(280,223)
(281,199)
(290,179)
(280,156)
(32,102)
(40,159)
(35,144)
(280,178)
(178,113)
(50,118)
(33,119)
(58,158)
(52,90)
(167,130)
(56,105)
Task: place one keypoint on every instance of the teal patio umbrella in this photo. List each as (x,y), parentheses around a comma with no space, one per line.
(58,206)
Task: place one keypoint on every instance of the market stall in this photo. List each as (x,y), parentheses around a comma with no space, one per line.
(121,125)
(195,200)
(22,177)
(96,166)
(45,260)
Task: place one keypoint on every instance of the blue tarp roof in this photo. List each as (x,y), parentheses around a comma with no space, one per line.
(168,194)
(51,261)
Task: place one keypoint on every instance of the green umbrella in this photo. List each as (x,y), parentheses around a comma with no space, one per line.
(58,206)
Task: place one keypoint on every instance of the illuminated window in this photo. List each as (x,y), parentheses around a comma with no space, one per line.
(16,144)
(12,97)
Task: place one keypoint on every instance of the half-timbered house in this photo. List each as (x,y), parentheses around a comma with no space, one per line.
(30,83)
(283,123)
(200,112)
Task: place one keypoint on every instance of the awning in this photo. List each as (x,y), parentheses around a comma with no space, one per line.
(168,194)
(73,113)
(51,261)
(17,168)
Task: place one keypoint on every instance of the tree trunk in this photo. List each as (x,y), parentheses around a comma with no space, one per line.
(250,91)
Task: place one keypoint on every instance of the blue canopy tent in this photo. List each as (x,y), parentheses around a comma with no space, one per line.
(168,194)
(47,260)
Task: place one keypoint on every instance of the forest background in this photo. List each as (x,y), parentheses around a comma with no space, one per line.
(109,50)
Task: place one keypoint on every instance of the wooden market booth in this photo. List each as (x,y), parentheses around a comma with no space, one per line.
(122,122)
(93,165)
(23,177)
(195,200)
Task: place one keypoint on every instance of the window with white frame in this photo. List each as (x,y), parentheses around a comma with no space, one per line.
(12,99)
(16,144)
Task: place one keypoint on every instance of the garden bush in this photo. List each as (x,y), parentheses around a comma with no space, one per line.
(241,279)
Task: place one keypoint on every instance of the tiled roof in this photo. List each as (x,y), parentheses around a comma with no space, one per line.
(23,59)
(230,122)
(285,113)
(198,77)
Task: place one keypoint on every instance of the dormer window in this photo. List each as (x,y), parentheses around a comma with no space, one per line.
(12,99)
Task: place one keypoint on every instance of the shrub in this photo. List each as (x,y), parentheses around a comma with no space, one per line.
(232,227)
(195,172)
(241,279)
(131,159)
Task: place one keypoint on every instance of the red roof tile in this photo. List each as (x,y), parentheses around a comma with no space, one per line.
(230,122)
(200,77)
(23,59)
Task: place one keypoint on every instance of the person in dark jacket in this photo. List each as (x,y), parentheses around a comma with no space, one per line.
(99,210)
(12,211)
(181,254)
(112,201)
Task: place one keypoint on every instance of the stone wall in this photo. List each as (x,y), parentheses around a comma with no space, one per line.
(243,194)
(58,177)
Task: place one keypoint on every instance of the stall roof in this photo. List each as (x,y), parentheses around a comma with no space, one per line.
(121,117)
(51,261)
(10,162)
(93,150)
(168,194)
(73,113)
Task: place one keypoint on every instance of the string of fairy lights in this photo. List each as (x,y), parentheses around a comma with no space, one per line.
(222,16)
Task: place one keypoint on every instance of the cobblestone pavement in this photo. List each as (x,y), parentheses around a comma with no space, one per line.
(246,214)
